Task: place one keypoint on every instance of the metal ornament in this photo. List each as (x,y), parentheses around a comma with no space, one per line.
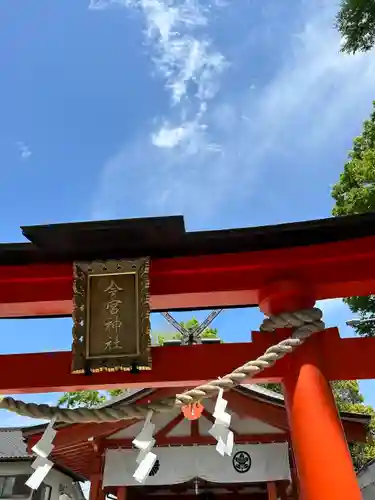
(189,335)
(111,316)
(193,411)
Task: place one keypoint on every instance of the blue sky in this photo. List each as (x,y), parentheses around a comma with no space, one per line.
(233,114)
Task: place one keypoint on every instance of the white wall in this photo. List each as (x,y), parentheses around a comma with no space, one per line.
(54,478)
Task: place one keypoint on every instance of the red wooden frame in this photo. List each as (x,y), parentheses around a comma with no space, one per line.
(198,440)
(195,438)
(194,430)
(269,413)
(333,270)
(342,359)
(162,433)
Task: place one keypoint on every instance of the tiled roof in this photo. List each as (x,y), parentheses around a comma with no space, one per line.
(128,397)
(12,445)
(134,394)
(13,448)
(259,389)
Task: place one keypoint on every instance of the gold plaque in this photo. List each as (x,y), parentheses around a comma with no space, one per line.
(111,316)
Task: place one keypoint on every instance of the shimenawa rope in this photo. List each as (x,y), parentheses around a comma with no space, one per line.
(304,323)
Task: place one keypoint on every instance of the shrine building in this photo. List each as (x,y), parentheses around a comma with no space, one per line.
(261,466)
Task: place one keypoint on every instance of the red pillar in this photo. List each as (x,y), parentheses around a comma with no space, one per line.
(121,493)
(96,477)
(324,466)
(96,492)
(271,490)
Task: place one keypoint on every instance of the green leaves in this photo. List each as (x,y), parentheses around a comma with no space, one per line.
(355,193)
(355,190)
(88,399)
(347,394)
(192,324)
(356,23)
(349,399)
(364,307)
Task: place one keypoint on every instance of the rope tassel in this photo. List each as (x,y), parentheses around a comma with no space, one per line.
(145,442)
(220,430)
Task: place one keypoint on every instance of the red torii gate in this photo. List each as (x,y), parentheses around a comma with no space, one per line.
(280,268)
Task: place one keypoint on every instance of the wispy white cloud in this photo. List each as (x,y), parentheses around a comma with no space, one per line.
(169,136)
(312,96)
(24,150)
(185,58)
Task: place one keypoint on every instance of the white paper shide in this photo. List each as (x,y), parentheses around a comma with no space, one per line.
(41,464)
(221,428)
(145,442)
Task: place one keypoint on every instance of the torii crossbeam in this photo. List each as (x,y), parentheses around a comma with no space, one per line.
(343,359)
(208,269)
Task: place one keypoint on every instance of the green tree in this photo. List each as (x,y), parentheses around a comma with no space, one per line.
(87,399)
(349,399)
(356,24)
(90,399)
(191,324)
(354,193)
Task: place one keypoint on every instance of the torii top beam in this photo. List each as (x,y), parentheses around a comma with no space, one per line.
(324,259)
(209,269)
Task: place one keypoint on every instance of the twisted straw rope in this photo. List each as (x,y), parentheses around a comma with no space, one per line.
(304,324)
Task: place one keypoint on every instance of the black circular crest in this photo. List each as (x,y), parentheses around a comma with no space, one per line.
(155,468)
(241,462)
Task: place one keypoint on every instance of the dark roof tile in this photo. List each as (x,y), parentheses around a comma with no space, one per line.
(12,445)
(166,237)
